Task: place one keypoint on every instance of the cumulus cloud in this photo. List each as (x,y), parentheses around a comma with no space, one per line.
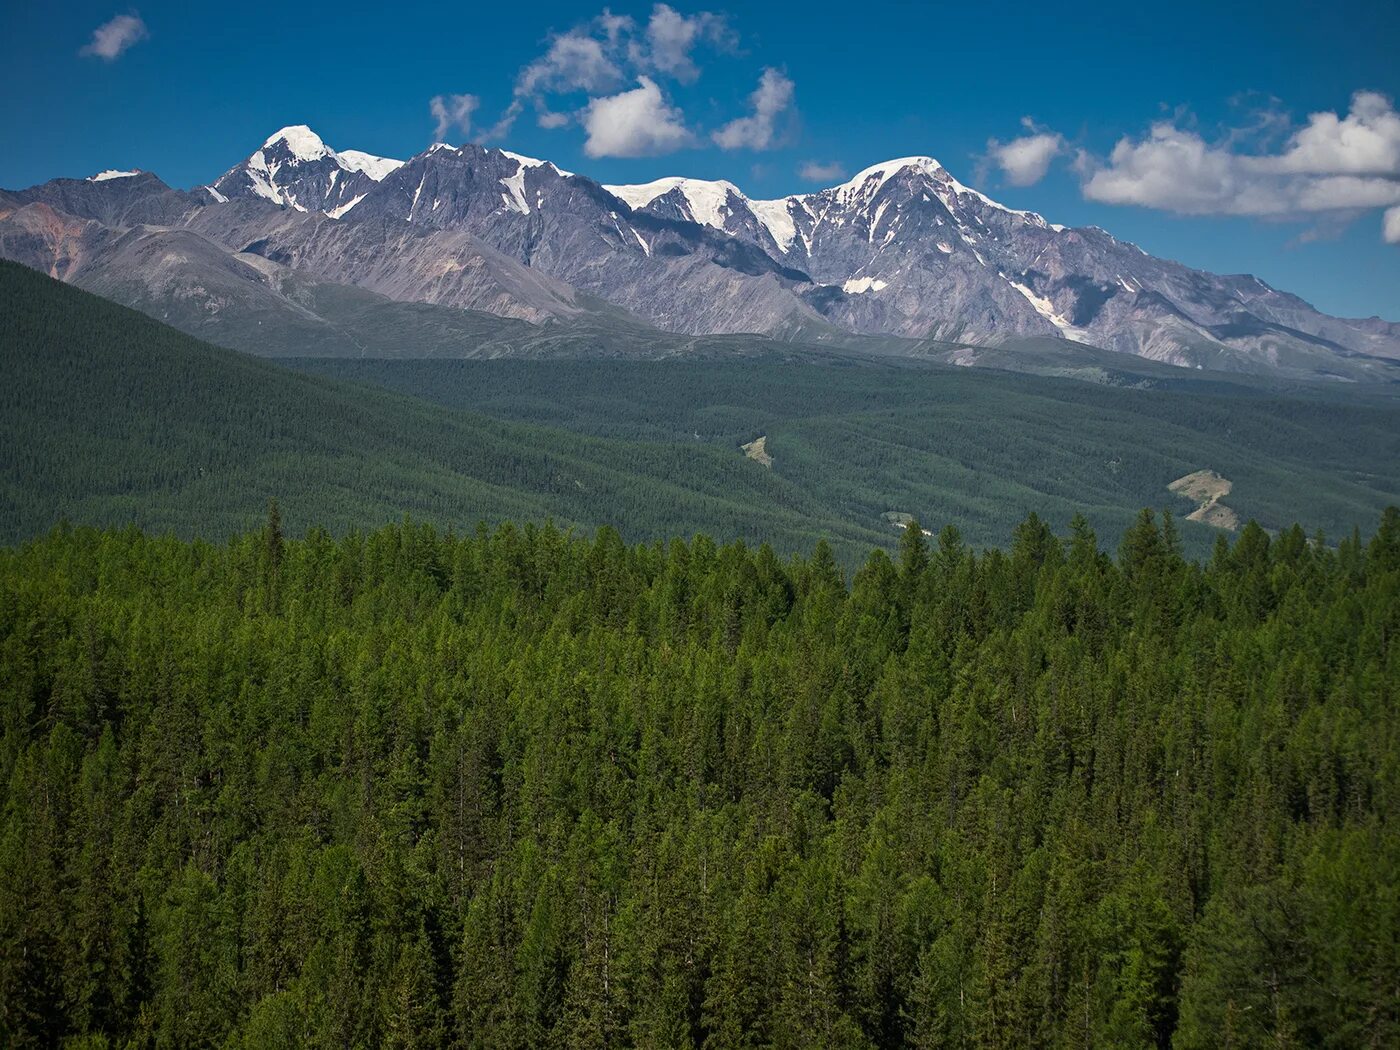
(636,123)
(816,171)
(1333,164)
(1025,160)
(452,111)
(770,100)
(1172,168)
(1364,142)
(111,39)
(1390,226)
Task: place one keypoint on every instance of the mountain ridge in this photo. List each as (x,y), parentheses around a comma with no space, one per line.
(901,249)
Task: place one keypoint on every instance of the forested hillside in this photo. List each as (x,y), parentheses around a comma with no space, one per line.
(110,418)
(970,446)
(521,789)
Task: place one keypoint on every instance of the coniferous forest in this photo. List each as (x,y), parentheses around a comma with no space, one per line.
(521,788)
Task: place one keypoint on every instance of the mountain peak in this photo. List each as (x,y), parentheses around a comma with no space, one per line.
(295,168)
(928,165)
(948,186)
(303,143)
(887,170)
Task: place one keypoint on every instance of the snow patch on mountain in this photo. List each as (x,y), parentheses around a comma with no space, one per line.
(534,162)
(515,182)
(1047,310)
(337,212)
(259,179)
(861,285)
(111,173)
(776,217)
(641,195)
(516,185)
(377,168)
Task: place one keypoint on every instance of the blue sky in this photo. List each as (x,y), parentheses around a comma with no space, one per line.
(1186,128)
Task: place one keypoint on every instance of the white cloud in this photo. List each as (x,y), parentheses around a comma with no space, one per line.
(1333,164)
(1172,168)
(596,58)
(604,53)
(583,59)
(1025,160)
(816,171)
(575,61)
(614,26)
(1390,226)
(636,123)
(1364,142)
(770,100)
(111,39)
(671,36)
(452,111)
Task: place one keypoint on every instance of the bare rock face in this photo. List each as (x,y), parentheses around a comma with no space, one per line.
(902,249)
(1206,489)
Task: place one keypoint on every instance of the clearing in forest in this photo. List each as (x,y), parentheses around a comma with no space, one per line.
(757,450)
(1207,488)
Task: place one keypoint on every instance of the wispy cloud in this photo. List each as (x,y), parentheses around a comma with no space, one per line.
(452,111)
(582,74)
(113,38)
(600,55)
(672,37)
(817,171)
(771,101)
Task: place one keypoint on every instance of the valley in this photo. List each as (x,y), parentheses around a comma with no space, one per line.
(201,439)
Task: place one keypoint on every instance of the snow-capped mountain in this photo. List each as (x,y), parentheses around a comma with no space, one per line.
(918,253)
(295,168)
(901,249)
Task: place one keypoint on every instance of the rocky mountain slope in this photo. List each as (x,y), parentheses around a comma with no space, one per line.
(296,169)
(915,252)
(901,250)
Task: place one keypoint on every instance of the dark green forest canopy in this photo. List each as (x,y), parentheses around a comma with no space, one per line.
(974,447)
(524,789)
